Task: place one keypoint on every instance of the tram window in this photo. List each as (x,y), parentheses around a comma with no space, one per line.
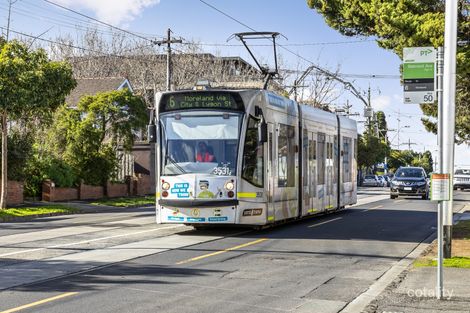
(286,156)
(253,159)
(321,159)
(347,154)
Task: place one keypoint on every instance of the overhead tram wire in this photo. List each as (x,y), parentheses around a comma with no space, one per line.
(353,89)
(287,45)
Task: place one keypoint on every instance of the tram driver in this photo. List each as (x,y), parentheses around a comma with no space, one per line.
(204,153)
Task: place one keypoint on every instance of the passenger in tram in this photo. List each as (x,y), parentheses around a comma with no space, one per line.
(203,154)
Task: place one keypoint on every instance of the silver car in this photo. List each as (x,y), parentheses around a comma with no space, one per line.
(462,179)
(371,180)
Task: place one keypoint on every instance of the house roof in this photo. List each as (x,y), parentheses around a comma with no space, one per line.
(92,86)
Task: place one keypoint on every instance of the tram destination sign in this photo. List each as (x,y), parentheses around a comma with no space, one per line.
(201,100)
(418,75)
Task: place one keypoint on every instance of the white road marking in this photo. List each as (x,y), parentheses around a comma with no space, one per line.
(325,222)
(88,241)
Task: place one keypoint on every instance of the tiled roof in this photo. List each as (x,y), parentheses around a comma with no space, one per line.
(92,86)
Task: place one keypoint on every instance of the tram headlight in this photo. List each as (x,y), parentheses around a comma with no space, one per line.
(166,185)
(229,185)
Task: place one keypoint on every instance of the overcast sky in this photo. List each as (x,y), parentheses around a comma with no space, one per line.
(307,34)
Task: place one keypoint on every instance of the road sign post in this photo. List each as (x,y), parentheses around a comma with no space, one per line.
(418,75)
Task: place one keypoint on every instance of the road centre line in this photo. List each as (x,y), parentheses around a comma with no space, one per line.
(373,208)
(325,222)
(220,252)
(33,304)
(88,241)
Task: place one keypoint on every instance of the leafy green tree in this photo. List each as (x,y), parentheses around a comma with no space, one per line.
(381,124)
(87,137)
(399,158)
(407,23)
(30,86)
(371,150)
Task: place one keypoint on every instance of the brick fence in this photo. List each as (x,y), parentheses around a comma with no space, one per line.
(138,186)
(14,192)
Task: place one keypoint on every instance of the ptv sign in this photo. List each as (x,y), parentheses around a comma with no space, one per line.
(419,74)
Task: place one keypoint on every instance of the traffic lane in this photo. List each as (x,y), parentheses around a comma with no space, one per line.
(297,266)
(61,221)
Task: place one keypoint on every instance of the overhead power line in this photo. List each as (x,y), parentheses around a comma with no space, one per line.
(98,21)
(101,53)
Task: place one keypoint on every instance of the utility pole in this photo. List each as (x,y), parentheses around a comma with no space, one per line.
(448,116)
(440,170)
(168,41)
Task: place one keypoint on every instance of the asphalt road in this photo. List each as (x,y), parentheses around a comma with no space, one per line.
(125,263)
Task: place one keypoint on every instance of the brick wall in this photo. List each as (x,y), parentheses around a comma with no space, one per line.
(143,185)
(87,192)
(52,193)
(116,190)
(14,192)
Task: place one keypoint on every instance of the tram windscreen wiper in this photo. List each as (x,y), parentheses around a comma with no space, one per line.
(172,161)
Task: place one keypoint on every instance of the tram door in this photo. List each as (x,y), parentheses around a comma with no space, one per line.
(312,173)
(329,173)
(271,172)
(321,172)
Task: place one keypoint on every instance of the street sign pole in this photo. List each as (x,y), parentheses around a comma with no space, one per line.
(448,116)
(440,274)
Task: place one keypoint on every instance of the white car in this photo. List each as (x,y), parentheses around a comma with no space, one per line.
(462,179)
(371,180)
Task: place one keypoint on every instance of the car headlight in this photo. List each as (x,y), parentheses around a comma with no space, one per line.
(421,183)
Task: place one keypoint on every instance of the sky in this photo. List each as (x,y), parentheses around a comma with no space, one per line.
(306,35)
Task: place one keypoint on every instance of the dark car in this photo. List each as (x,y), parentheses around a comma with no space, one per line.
(409,181)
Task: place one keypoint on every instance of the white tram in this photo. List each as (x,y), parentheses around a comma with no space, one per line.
(249,157)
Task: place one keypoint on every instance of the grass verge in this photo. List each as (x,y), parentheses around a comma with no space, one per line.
(35,211)
(126,202)
(459,262)
(460,249)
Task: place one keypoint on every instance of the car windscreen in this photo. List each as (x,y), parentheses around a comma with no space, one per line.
(369,177)
(409,173)
(462,172)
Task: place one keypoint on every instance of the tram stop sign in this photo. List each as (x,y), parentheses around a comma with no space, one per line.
(419,73)
(440,187)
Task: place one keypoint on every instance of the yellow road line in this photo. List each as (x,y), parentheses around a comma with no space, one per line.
(221,251)
(376,207)
(30,305)
(325,222)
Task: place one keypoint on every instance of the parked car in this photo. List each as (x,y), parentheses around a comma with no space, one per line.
(462,179)
(409,181)
(371,180)
(387,180)
(383,181)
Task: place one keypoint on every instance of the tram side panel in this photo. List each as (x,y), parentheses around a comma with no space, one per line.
(348,161)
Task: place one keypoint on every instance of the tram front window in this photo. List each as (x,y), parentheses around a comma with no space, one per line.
(200,142)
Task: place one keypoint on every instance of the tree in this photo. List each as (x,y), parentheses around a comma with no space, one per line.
(88,137)
(371,150)
(407,23)
(381,124)
(31,86)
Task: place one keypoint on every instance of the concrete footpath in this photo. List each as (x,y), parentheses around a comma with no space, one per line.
(414,290)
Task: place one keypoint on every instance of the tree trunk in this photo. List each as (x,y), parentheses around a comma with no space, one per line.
(4,187)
